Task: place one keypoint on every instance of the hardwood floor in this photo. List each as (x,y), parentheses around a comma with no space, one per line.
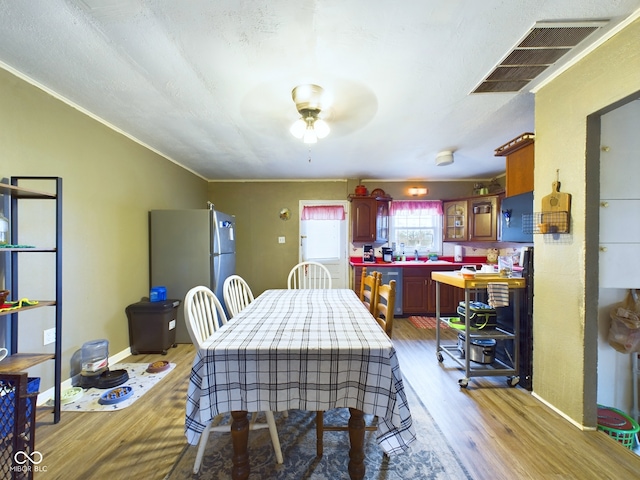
(497,431)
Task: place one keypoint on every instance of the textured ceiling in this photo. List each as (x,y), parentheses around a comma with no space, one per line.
(208,83)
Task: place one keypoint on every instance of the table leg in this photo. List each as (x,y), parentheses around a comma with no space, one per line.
(240,439)
(356,436)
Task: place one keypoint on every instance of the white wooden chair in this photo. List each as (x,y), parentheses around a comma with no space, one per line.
(203,314)
(237,294)
(309,275)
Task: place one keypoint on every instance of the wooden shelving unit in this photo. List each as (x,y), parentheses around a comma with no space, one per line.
(21,361)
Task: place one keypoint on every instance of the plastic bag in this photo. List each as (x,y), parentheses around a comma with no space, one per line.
(624,332)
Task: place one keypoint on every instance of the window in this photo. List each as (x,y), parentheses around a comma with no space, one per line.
(417,224)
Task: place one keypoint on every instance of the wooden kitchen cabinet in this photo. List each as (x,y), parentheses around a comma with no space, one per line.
(519,154)
(419,292)
(474,219)
(369,219)
(414,291)
(483,219)
(455,221)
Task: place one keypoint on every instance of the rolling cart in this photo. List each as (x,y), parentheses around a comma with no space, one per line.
(474,337)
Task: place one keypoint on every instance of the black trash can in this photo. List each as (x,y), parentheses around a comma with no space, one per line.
(152,326)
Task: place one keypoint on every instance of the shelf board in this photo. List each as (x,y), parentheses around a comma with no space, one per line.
(21,192)
(20,362)
(515,144)
(26,249)
(41,303)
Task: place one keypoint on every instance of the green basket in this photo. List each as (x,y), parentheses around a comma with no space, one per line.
(625,436)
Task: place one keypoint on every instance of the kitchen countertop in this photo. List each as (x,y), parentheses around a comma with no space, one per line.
(444,261)
(452,278)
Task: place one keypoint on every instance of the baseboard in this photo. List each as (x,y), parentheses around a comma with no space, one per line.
(562,414)
(44,397)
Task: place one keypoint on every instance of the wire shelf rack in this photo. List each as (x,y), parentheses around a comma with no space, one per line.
(545,222)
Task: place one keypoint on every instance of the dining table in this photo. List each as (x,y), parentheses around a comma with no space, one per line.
(312,350)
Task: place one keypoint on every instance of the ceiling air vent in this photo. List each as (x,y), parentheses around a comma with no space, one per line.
(541,47)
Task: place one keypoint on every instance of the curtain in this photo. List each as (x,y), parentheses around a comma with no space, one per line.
(323,212)
(428,207)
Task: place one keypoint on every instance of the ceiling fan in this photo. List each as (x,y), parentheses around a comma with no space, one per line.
(343,106)
(310,126)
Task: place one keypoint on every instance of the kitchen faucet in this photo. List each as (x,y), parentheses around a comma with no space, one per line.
(416,252)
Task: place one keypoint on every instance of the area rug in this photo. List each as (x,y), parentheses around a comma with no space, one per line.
(430,456)
(140,382)
(426,322)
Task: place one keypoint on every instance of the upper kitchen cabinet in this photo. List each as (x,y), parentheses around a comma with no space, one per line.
(472,219)
(483,219)
(369,219)
(519,154)
(455,221)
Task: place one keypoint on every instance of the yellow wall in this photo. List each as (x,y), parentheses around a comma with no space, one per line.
(109,185)
(565,317)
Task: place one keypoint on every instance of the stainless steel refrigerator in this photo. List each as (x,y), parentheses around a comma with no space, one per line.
(190,248)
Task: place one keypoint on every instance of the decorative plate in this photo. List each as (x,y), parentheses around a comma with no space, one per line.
(285,214)
(378,192)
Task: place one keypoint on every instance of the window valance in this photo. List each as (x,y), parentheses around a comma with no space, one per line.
(323,212)
(427,207)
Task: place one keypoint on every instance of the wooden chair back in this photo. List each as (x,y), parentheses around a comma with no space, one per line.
(385,302)
(369,288)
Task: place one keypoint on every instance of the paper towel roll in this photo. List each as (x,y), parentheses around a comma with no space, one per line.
(457,253)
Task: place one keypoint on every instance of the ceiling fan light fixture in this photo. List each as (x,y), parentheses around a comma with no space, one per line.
(444,158)
(310,135)
(308,100)
(298,128)
(321,127)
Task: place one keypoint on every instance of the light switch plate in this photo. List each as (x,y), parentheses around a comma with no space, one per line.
(280,239)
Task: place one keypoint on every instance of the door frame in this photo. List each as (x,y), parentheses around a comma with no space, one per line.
(345,204)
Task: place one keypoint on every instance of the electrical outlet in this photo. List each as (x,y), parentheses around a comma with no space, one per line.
(49,336)
(280,239)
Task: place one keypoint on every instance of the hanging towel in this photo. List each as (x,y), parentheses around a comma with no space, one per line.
(498,294)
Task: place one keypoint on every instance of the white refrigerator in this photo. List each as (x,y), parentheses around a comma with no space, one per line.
(190,248)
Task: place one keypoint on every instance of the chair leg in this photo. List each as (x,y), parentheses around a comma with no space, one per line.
(319,433)
(201,446)
(274,436)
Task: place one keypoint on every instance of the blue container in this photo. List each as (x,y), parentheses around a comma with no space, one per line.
(158,294)
(8,407)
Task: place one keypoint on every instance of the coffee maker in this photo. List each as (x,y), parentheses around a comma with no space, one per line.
(387,254)
(368,255)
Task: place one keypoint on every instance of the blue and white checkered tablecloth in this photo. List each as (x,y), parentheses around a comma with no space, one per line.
(301,349)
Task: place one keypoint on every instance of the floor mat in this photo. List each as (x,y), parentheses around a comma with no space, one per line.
(426,322)
(430,457)
(140,382)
